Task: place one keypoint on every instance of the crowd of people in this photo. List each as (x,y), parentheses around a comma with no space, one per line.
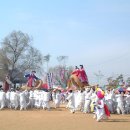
(89,99)
(97,100)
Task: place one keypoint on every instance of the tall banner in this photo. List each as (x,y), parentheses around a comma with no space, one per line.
(50,80)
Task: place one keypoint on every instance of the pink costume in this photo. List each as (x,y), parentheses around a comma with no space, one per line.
(83,76)
(76,72)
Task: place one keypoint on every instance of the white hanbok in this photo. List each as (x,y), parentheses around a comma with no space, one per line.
(8,99)
(2,99)
(58,100)
(109,101)
(99,109)
(46,100)
(127,105)
(88,95)
(120,104)
(14,100)
(31,99)
(71,102)
(23,103)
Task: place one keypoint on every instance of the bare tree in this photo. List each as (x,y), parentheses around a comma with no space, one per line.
(114,82)
(33,60)
(18,56)
(62,59)
(47,59)
(120,79)
(110,80)
(4,65)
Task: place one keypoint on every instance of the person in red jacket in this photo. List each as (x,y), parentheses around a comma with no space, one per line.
(76,71)
(82,75)
(7,84)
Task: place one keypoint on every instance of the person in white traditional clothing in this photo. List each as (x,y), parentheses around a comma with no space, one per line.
(36,98)
(27,96)
(127,100)
(76,99)
(2,99)
(109,100)
(14,99)
(93,98)
(23,103)
(31,99)
(46,104)
(8,99)
(88,94)
(101,112)
(81,100)
(67,94)
(71,101)
(53,96)
(58,98)
(120,103)
(41,98)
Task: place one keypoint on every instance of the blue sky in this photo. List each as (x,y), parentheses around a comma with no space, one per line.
(95,33)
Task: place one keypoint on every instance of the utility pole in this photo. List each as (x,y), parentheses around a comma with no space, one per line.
(99,76)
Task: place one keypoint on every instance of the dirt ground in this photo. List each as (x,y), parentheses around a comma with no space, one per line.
(60,119)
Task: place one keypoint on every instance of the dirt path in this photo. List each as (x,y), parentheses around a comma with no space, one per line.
(59,119)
